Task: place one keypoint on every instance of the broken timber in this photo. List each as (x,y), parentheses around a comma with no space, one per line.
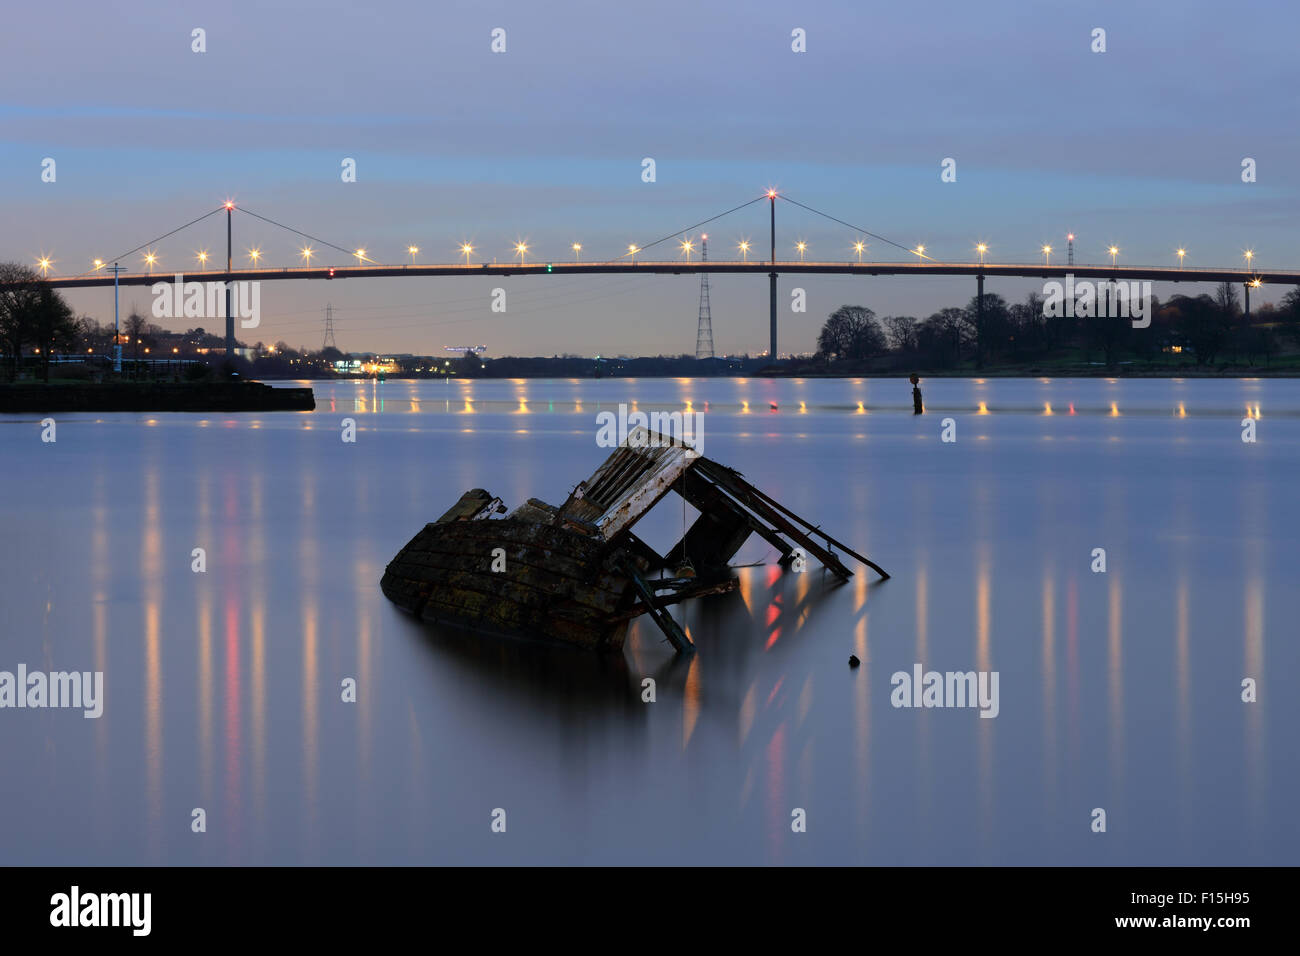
(578,574)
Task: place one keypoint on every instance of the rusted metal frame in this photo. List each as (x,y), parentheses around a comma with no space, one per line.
(713,469)
(706,497)
(783,526)
(654,607)
(685,594)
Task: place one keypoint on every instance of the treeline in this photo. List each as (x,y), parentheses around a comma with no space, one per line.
(33,315)
(1204,329)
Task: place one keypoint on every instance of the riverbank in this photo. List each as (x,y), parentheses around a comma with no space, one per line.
(154,397)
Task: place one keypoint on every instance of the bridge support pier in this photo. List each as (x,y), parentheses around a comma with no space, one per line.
(979,320)
(230,316)
(772,313)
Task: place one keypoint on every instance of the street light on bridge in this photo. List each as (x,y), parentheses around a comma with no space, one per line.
(1181,253)
(1249,254)
(858,247)
(307,252)
(44,263)
(981,248)
(577,252)
(361,256)
(465,250)
(802,247)
(99,264)
(1047,255)
(632,250)
(743,246)
(254,254)
(1114,251)
(920,252)
(202,256)
(521,250)
(687,247)
(150,258)
(413,250)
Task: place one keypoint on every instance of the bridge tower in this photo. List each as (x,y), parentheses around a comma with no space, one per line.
(704,334)
(329,328)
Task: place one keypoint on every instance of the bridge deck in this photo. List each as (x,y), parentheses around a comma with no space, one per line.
(989,270)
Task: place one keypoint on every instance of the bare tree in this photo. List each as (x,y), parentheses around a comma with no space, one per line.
(54,327)
(135,330)
(19,291)
(901,330)
(851,332)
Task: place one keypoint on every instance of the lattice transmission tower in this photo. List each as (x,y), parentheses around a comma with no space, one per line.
(329,328)
(704,334)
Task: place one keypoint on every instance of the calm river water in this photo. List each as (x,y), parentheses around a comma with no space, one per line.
(1119,690)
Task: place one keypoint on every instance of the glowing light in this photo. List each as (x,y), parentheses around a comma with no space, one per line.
(981,248)
(1181,253)
(44,263)
(1114,251)
(1047,255)
(920,252)
(99,264)
(361,255)
(521,250)
(632,250)
(413,250)
(858,247)
(202,256)
(771,194)
(577,251)
(465,250)
(743,245)
(150,257)
(307,252)
(802,247)
(229,204)
(254,254)
(687,247)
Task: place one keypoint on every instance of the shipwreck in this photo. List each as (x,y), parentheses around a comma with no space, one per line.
(578,574)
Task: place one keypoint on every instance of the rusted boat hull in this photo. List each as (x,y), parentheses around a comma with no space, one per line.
(552,583)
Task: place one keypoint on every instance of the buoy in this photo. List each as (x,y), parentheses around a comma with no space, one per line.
(853,660)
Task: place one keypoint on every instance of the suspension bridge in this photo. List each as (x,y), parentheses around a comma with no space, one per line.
(636,261)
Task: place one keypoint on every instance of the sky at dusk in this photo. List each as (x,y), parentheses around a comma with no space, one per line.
(1140,146)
